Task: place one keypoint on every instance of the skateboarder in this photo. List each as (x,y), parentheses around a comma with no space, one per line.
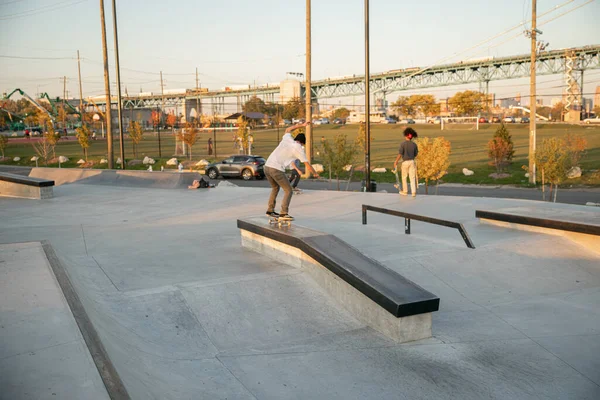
(408,151)
(288,150)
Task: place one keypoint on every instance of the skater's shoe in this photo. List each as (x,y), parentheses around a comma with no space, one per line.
(272,214)
(414,195)
(404,193)
(286,217)
(396,186)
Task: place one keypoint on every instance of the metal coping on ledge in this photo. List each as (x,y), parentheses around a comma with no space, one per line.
(577,227)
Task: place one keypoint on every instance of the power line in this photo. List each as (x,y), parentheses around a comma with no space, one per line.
(37,58)
(43,9)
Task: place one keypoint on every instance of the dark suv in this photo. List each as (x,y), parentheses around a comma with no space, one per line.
(247,167)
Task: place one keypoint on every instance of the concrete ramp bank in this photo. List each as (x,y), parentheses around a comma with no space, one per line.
(144,179)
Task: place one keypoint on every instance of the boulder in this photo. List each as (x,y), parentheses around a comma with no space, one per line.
(14,135)
(379,170)
(202,163)
(17,159)
(318,168)
(226,184)
(104,161)
(172,161)
(527,175)
(63,159)
(467,172)
(119,161)
(574,172)
(34,158)
(148,161)
(81,161)
(347,168)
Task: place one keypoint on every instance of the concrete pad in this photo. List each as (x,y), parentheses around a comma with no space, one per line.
(260,312)
(580,352)
(518,369)
(42,350)
(64,371)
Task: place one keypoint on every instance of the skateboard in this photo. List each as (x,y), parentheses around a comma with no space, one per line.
(297,191)
(280,221)
(397,185)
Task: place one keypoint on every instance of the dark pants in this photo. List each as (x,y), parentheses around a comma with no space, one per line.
(278,179)
(294,178)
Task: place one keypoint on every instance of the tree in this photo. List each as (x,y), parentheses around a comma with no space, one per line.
(498,150)
(83,137)
(423,104)
(3,143)
(254,104)
(557,111)
(172,121)
(342,113)
(189,135)
(52,137)
(31,120)
(575,146)
(136,135)
(403,106)
(338,154)
(434,158)
(274,110)
(294,108)
(553,161)
(242,133)
(503,133)
(43,148)
(155,117)
(468,102)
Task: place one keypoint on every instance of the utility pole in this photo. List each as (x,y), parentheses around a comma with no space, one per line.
(109,141)
(367,104)
(307,88)
(532,98)
(80,90)
(119,104)
(198,103)
(162,95)
(64,99)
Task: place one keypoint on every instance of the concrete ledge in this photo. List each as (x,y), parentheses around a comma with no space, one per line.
(401,329)
(20,190)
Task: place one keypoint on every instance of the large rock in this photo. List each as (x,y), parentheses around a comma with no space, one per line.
(172,161)
(379,170)
(574,172)
(148,161)
(226,184)
(81,161)
(104,161)
(34,158)
(119,161)
(63,159)
(347,168)
(202,163)
(467,172)
(318,168)
(17,159)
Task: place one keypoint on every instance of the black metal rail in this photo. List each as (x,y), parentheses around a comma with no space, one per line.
(408,216)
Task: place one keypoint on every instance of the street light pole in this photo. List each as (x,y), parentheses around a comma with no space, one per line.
(307,88)
(107,114)
(119,108)
(367,104)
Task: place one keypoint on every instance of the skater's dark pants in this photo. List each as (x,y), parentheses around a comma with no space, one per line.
(294,178)
(278,179)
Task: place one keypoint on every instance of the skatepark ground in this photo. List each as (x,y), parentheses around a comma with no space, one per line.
(184,312)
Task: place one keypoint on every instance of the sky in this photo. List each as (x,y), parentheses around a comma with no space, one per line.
(242,42)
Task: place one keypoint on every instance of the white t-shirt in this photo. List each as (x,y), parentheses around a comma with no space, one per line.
(287,151)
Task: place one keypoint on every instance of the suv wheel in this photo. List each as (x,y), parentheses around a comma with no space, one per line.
(213,173)
(247,174)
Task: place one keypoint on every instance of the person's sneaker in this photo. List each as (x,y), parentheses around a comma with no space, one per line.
(272,214)
(396,186)
(414,195)
(404,193)
(286,217)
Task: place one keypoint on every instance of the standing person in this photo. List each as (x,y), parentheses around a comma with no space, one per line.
(408,151)
(296,173)
(288,150)
(209,147)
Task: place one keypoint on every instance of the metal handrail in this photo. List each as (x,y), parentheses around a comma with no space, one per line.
(408,216)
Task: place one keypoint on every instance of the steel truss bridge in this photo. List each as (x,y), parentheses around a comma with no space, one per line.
(568,62)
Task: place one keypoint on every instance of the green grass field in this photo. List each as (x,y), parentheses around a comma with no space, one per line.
(468,149)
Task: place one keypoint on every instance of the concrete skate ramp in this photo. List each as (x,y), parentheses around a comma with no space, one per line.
(142,179)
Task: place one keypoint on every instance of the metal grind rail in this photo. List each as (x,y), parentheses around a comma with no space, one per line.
(408,216)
